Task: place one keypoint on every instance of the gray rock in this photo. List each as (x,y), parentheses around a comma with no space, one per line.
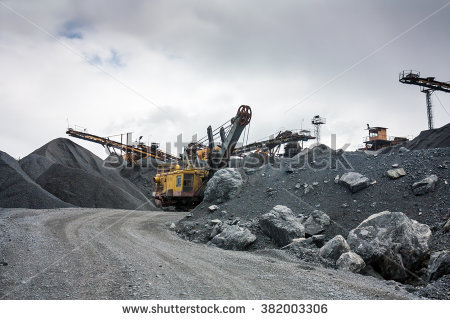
(224,185)
(334,248)
(396,173)
(403,150)
(213,208)
(297,186)
(439,264)
(234,238)
(297,243)
(316,222)
(336,179)
(281,225)
(426,185)
(447,226)
(350,261)
(215,221)
(319,240)
(395,165)
(308,189)
(354,181)
(392,243)
(216,230)
(172,226)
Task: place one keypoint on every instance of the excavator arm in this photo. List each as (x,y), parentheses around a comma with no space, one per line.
(219,158)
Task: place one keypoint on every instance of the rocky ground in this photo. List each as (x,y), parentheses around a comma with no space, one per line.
(380,217)
(119,254)
(304,187)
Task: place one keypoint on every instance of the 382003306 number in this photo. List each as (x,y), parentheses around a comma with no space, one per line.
(294,308)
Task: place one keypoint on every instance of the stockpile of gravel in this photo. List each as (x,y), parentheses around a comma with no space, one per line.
(77,176)
(434,138)
(18,190)
(307,187)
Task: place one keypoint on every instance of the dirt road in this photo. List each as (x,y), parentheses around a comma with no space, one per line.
(119,254)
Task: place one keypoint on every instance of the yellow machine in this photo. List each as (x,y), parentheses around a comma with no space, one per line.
(179,186)
(183,186)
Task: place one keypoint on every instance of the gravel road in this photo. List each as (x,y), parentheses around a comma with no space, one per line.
(118,254)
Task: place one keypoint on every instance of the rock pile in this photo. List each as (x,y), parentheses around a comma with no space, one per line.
(66,174)
(18,190)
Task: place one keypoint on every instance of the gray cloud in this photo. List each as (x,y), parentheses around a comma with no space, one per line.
(198,61)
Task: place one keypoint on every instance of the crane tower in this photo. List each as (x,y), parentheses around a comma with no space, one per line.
(427,85)
(317,121)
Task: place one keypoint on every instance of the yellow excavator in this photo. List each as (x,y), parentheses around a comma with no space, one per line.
(182,184)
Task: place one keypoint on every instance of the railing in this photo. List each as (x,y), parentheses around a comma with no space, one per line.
(409,74)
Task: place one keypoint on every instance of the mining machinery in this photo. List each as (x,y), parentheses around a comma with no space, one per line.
(271,146)
(428,86)
(132,152)
(182,184)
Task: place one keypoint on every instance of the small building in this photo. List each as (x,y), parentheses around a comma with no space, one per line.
(378,139)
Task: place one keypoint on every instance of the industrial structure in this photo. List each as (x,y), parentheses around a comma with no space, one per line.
(271,146)
(427,85)
(317,121)
(182,185)
(378,139)
(131,152)
(180,181)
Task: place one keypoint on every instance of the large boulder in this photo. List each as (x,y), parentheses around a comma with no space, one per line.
(350,261)
(224,185)
(316,222)
(424,186)
(392,243)
(439,264)
(234,238)
(281,225)
(334,248)
(354,181)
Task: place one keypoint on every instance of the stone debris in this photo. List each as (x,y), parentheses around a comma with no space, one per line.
(425,185)
(350,261)
(334,248)
(281,225)
(354,181)
(396,173)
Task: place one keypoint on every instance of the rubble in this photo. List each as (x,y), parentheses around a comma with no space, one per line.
(281,225)
(439,264)
(224,185)
(425,185)
(350,261)
(233,238)
(334,248)
(213,208)
(354,181)
(316,222)
(396,173)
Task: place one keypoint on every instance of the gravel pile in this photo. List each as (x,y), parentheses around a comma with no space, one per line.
(434,138)
(312,182)
(306,189)
(18,190)
(77,176)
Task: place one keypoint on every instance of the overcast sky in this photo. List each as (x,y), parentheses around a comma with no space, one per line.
(161,68)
